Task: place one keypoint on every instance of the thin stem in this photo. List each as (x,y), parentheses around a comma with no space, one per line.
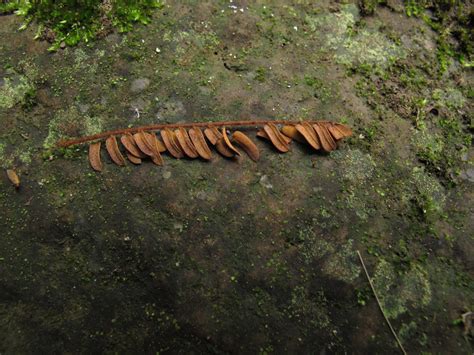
(380,305)
(155,127)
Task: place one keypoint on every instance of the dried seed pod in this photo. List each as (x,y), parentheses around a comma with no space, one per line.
(309,134)
(247,145)
(114,151)
(129,143)
(292,132)
(223,148)
(276,137)
(13,177)
(185,143)
(94,156)
(171,143)
(135,160)
(327,141)
(200,143)
(228,143)
(212,134)
(141,141)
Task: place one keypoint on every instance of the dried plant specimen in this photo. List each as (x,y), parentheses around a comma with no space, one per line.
(188,140)
(13,177)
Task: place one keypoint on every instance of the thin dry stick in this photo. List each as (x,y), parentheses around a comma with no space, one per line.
(154,127)
(380,305)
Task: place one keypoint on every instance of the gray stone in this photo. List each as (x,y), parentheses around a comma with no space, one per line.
(140,84)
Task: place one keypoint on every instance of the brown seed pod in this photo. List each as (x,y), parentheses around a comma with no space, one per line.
(94,156)
(200,143)
(292,132)
(223,149)
(185,142)
(135,160)
(13,177)
(247,145)
(129,143)
(141,141)
(327,141)
(276,138)
(228,143)
(114,151)
(212,134)
(171,143)
(309,134)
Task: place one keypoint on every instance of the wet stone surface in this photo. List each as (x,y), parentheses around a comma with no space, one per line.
(233,256)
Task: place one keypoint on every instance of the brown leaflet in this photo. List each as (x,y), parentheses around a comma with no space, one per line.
(129,143)
(223,149)
(140,139)
(327,141)
(94,156)
(171,143)
(276,138)
(154,143)
(228,143)
(200,143)
(13,177)
(135,160)
(344,129)
(185,143)
(292,132)
(212,134)
(261,133)
(114,151)
(309,134)
(247,145)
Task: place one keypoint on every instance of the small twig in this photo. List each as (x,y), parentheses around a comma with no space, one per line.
(380,305)
(155,127)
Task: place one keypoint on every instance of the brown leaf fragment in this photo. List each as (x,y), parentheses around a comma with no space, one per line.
(223,149)
(247,145)
(261,133)
(114,151)
(154,143)
(344,129)
(276,137)
(171,143)
(141,141)
(228,143)
(292,132)
(212,134)
(13,177)
(200,143)
(135,160)
(94,156)
(185,143)
(309,134)
(327,141)
(155,146)
(129,143)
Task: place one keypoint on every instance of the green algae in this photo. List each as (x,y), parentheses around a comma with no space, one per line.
(350,45)
(398,292)
(71,123)
(15,90)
